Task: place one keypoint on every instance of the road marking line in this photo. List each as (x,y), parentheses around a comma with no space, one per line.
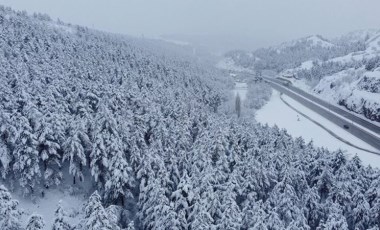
(332,112)
(325,128)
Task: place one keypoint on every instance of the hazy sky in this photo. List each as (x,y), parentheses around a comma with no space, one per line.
(226,23)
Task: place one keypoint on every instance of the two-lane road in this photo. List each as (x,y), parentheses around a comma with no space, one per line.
(348,115)
(324,109)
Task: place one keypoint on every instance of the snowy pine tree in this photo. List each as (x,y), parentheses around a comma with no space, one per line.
(9,213)
(96,217)
(35,222)
(27,160)
(61,221)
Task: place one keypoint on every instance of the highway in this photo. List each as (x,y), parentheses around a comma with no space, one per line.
(348,115)
(315,104)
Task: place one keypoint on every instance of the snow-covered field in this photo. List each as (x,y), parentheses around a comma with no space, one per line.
(297,125)
(47,206)
(229,64)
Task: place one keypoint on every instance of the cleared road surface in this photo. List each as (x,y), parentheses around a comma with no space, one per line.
(300,96)
(334,108)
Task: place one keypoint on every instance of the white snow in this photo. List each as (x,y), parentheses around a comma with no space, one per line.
(301,84)
(372,50)
(318,41)
(241,90)
(278,113)
(175,42)
(373,44)
(61,27)
(344,86)
(338,115)
(46,207)
(229,64)
(307,65)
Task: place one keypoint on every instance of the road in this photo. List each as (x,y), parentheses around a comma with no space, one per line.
(348,115)
(300,96)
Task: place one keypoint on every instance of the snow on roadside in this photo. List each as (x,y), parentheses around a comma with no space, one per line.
(301,84)
(275,112)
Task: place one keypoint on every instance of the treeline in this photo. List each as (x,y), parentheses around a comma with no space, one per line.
(292,54)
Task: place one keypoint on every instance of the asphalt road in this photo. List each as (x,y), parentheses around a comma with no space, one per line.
(374,128)
(353,129)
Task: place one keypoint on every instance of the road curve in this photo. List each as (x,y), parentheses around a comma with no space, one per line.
(374,128)
(354,130)
(327,129)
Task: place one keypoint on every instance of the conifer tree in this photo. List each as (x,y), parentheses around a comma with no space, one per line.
(26,165)
(61,221)
(9,213)
(35,222)
(96,217)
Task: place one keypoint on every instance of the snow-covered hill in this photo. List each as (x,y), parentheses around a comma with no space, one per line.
(343,62)
(357,90)
(289,54)
(135,131)
(351,80)
(310,42)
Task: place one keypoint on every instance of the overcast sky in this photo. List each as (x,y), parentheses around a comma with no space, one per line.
(229,23)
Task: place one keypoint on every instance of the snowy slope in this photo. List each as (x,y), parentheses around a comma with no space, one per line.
(317,40)
(351,80)
(310,41)
(298,126)
(357,90)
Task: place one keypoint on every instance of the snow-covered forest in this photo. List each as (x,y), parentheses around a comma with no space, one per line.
(144,136)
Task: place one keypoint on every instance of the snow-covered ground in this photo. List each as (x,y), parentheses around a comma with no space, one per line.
(229,64)
(319,41)
(276,112)
(46,207)
(347,86)
(241,90)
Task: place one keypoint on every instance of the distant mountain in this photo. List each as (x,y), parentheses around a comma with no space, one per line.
(290,54)
(306,42)
(357,36)
(351,80)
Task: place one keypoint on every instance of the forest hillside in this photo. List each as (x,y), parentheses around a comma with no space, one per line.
(142,135)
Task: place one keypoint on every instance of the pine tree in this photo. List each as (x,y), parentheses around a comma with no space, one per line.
(335,219)
(253,213)
(75,149)
(120,179)
(35,222)
(107,144)
(7,142)
(9,214)
(312,208)
(114,215)
(373,197)
(360,216)
(131,226)
(50,139)
(238,105)
(26,165)
(182,199)
(61,221)
(154,206)
(285,201)
(201,218)
(96,217)
(231,216)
